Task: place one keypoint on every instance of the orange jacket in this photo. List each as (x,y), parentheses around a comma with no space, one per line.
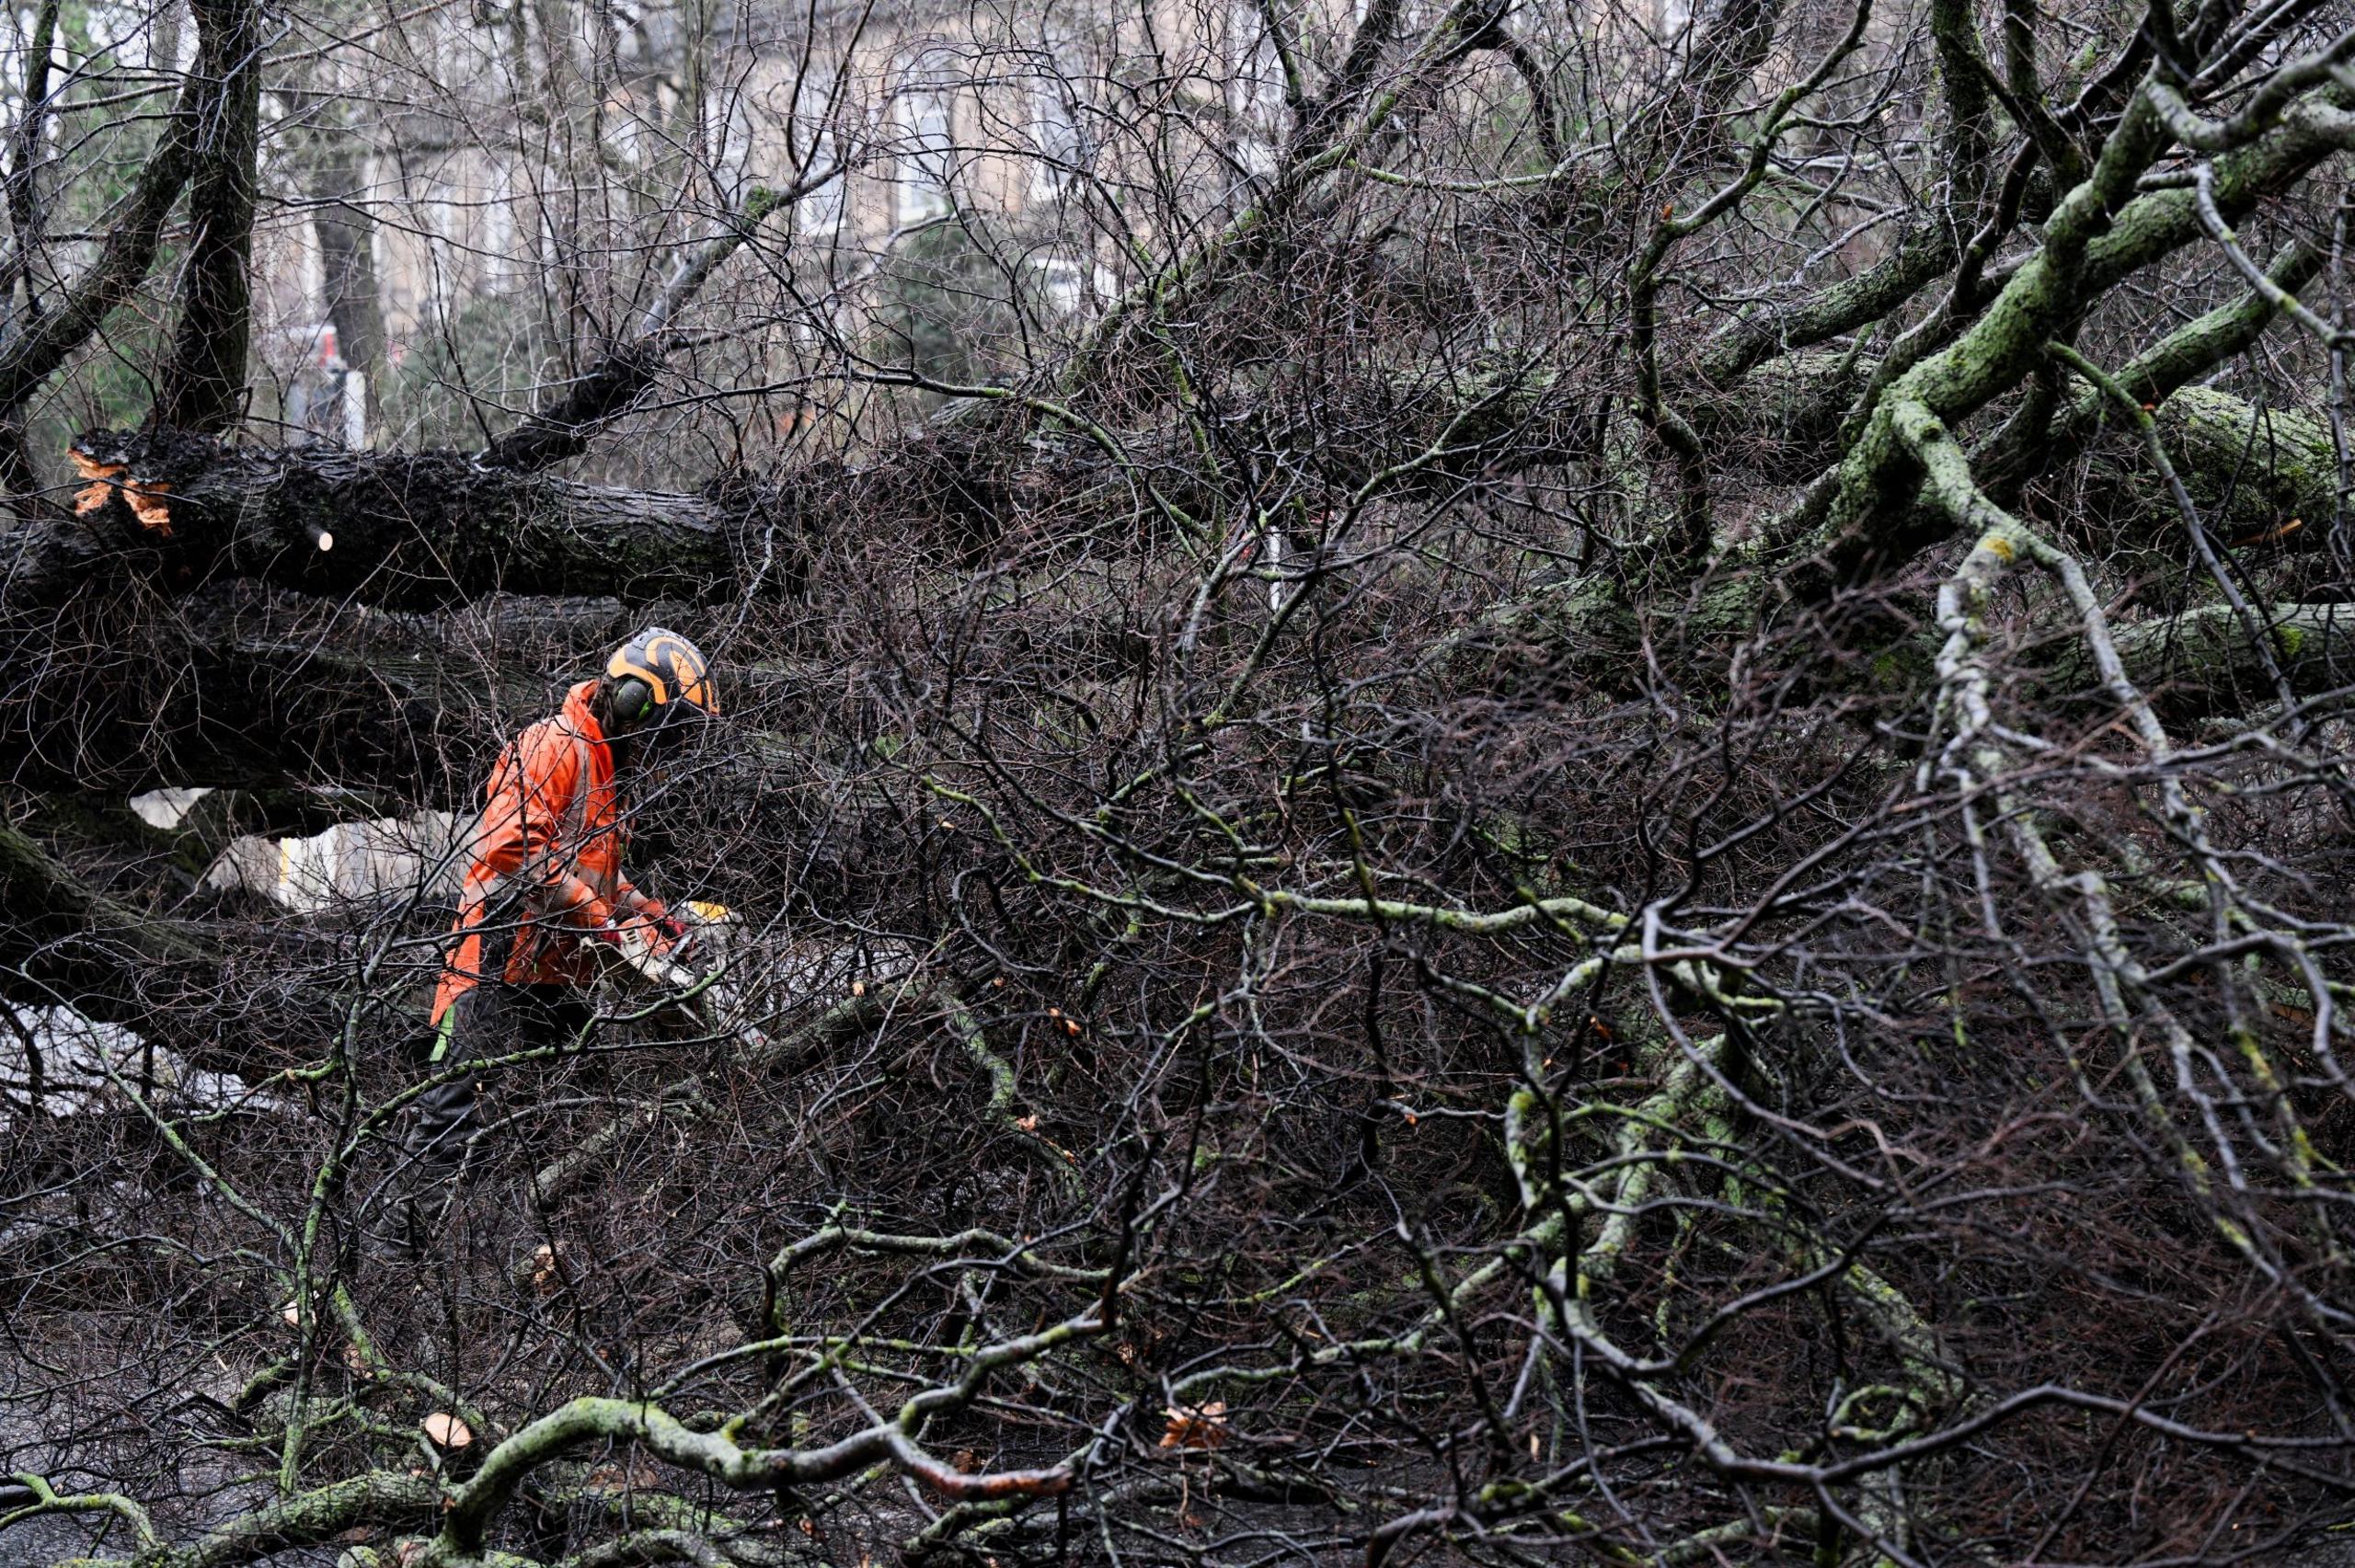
(551,834)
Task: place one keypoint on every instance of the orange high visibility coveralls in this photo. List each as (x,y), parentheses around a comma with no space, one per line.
(547,848)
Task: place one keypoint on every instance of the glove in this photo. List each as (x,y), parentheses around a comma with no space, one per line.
(657,914)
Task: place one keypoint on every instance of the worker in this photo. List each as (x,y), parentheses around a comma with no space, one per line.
(546,881)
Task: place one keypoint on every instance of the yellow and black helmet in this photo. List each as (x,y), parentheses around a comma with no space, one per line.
(657,679)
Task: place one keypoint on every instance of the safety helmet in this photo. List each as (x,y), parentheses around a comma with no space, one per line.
(658,680)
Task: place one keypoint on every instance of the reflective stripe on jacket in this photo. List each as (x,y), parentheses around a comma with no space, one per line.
(546,851)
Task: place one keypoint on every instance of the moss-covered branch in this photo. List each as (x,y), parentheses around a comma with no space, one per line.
(380,1500)
(718,1455)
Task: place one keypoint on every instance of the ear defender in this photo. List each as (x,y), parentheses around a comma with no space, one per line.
(633,701)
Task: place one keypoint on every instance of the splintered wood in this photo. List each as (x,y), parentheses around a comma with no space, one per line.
(145,497)
(1192,1427)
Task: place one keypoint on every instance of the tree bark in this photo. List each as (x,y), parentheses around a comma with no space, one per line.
(2203,661)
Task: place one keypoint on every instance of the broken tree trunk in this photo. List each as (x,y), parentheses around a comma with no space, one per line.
(416,529)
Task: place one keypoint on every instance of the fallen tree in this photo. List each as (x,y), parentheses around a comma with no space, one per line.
(1383,861)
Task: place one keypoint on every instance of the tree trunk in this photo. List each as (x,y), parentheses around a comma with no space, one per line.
(337,185)
(202,385)
(415,529)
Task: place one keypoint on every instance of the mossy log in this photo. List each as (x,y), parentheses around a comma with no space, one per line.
(2270,471)
(2205,660)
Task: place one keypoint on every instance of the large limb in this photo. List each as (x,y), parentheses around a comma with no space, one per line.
(1863,520)
(64,938)
(408,528)
(49,905)
(2203,661)
(1861,513)
(378,1500)
(2275,466)
(436,528)
(1928,249)
(240,687)
(1998,349)
(1922,256)
(467,1512)
(2027,445)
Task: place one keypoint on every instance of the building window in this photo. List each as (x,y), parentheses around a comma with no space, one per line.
(819,212)
(1256,90)
(1067,285)
(924,113)
(1054,128)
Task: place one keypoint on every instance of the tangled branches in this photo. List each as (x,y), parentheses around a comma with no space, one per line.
(1605,817)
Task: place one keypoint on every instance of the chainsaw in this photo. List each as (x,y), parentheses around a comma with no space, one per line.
(688,981)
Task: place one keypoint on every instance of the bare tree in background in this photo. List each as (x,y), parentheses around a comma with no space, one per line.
(1531,784)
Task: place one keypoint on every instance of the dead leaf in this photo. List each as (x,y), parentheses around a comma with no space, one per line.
(1192,1427)
(447,1431)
